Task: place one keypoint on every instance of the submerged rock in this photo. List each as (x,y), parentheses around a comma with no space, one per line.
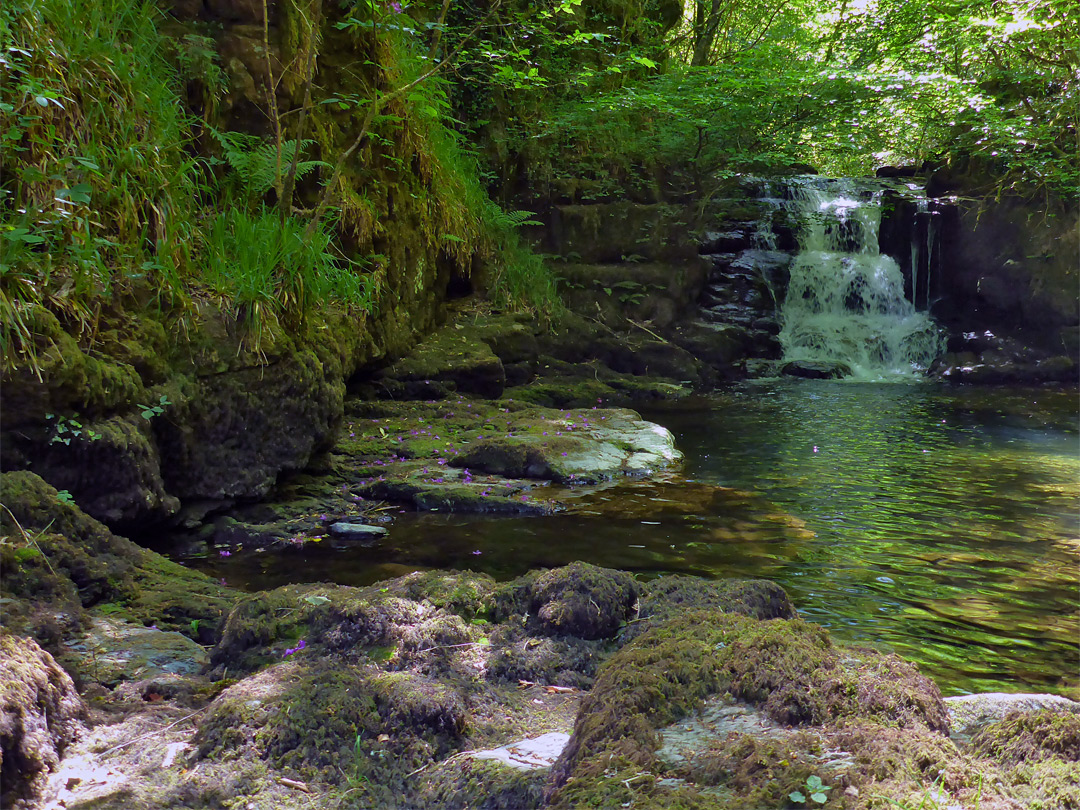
(362,532)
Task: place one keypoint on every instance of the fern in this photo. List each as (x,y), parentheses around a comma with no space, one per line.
(256,161)
(499,219)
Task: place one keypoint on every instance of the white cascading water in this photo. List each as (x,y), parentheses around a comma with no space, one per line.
(845,302)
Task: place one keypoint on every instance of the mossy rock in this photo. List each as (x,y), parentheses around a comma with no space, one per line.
(336,723)
(39,713)
(579,599)
(1022,737)
(464,593)
(563,661)
(479,785)
(252,633)
(666,597)
(788,668)
(446,362)
(567,392)
(64,558)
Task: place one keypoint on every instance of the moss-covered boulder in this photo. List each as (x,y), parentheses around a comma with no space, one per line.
(39,714)
(1024,737)
(336,723)
(790,669)
(479,785)
(449,361)
(579,599)
(62,562)
(666,597)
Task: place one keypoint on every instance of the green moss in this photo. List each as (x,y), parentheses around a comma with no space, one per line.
(579,599)
(338,723)
(81,564)
(788,668)
(479,784)
(1031,737)
(256,624)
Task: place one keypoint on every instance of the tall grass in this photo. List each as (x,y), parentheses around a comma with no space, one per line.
(97,188)
(270,273)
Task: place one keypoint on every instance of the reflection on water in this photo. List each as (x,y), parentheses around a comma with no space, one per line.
(941,523)
(946,519)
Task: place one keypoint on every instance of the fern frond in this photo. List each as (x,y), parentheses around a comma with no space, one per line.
(257,163)
(500,219)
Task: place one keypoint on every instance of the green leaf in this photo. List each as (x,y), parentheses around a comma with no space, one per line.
(820,798)
(814,782)
(316,600)
(78,194)
(795,796)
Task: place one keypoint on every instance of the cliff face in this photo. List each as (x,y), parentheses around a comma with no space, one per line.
(232,413)
(1014,265)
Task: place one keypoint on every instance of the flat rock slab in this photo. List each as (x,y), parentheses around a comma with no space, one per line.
(115,651)
(597,446)
(362,532)
(536,752)
(969,714)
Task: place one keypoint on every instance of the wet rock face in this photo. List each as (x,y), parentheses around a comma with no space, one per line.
(983,356)
(39,714)
(1011,267)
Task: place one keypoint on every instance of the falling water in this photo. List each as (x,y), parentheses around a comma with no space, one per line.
(845,302)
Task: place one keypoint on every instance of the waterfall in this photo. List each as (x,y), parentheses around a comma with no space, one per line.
(846,302)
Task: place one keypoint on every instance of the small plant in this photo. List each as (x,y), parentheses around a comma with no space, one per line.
(64,496)
(815,787)
(66,428)
(148,412)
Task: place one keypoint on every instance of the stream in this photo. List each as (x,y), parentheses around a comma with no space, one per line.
(937,522)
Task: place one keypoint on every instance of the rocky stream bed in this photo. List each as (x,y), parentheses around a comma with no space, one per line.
(132,682)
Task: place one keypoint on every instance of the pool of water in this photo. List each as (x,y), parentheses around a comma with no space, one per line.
(938,522)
